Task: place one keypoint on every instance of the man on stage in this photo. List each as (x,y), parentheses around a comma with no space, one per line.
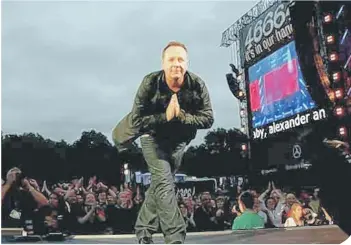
(169,107)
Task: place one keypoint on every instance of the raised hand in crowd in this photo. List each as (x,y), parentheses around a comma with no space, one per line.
(269,188)
(138,198)
(11,178)
(39,198)
(69,193)
(81,181)
(219,213)
(88,215)
(34,183)
(101,187)
(45,189)
(91,183)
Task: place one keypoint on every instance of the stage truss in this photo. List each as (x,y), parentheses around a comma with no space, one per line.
(231,39)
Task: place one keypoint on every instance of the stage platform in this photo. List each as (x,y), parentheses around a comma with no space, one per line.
(313,235)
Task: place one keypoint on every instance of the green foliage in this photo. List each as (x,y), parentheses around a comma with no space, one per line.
(92,154)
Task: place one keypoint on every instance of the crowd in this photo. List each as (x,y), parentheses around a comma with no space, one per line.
(94,207)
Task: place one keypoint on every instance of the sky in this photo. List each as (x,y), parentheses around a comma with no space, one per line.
(73,66)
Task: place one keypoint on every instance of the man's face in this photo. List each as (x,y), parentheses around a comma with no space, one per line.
(102,197)
(275,196)
(80,199)
(254,193)
(90,199)
(298,212)
(183,209)
(175,62)
(220,203)
(53,200)
(111,200)
(206,200)
(315,193)
(290,200)
(271,203)
(72,199)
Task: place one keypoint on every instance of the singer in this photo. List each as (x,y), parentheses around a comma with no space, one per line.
(169,107)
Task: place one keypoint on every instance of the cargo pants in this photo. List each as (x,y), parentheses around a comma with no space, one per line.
(160,208)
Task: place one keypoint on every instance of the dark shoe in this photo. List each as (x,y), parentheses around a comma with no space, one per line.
(177,242)
(146,240)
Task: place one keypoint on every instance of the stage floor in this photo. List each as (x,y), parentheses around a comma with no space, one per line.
(322,234)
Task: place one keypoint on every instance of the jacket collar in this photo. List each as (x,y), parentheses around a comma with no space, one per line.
(162,80)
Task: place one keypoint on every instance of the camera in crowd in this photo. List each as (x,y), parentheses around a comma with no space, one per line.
(19,179)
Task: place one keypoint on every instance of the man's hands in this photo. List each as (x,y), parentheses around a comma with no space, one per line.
(11,176)
(176,105)
(173,109)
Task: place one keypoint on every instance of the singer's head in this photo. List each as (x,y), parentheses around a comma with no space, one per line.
(175,62)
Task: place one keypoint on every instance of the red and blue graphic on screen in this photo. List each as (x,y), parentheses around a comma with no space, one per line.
(277,88)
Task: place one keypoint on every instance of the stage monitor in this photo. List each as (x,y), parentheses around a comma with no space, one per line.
(278,97)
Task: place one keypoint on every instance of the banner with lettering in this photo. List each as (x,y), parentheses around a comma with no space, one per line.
(193,188)
(266,34)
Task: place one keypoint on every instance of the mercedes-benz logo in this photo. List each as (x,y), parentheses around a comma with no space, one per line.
(297,151)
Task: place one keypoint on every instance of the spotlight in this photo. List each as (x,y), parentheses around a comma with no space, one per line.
(338,93)
(241,94)
(342,131)
(339,111)
(333,56)
(330,39)
(243,147)
(328,18)
(336,76)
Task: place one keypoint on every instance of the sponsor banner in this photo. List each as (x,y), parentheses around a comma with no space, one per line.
(266,33)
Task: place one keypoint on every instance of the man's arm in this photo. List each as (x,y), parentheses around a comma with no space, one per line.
(203,118)
(39,198)
(140,117)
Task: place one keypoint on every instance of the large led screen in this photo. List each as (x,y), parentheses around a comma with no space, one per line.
(277,88)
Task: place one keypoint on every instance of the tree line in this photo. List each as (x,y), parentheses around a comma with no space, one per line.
(93,154)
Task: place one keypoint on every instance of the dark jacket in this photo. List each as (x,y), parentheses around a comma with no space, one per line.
(148,114)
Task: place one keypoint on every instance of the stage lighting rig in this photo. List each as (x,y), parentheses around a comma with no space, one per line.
(339,111)
(334,39)
(336,76)
(235,70)
(234,83)
(328,18)
(324,42)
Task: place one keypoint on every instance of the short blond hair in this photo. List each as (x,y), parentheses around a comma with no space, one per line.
(174,44)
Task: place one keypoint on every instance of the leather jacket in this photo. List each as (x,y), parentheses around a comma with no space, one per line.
(148,114)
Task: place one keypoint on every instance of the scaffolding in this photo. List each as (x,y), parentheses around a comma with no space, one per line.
(231,39)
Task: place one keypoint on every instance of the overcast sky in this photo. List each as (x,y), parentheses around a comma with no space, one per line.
(69,66)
